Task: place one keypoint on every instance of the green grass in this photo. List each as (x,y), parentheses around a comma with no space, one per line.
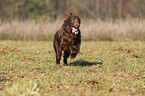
(101,68)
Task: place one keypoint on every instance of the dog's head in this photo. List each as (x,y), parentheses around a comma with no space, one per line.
(72,21)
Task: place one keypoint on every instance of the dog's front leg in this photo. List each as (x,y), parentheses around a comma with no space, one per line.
(65,56)
(66,50)
(74,50)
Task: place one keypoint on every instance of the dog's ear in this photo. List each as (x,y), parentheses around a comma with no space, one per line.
(69,13)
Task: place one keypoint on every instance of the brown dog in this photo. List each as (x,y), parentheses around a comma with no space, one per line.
(68,38)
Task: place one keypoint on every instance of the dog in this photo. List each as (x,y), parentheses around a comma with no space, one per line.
(68,38)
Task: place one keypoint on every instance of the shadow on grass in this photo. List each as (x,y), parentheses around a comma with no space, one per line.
(84,63)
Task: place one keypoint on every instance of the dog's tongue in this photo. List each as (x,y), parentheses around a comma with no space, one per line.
(75,31)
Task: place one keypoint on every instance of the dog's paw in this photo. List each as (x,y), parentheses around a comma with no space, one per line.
(73,55)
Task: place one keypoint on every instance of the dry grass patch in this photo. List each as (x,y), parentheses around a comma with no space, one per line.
(128,29)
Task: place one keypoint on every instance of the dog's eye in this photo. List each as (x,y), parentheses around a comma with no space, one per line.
(73,20)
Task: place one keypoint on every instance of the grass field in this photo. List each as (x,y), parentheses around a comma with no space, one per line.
(101,68)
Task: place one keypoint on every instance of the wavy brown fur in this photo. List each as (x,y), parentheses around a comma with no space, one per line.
(65,40)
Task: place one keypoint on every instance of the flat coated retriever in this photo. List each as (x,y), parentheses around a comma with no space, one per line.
(68,38)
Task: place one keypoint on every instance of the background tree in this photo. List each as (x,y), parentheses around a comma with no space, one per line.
(52,9)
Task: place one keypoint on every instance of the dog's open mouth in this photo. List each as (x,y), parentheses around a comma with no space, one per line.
(75,30)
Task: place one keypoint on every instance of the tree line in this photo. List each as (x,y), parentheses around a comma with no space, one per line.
(53,9)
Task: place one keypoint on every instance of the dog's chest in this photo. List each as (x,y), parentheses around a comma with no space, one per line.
(70,39)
